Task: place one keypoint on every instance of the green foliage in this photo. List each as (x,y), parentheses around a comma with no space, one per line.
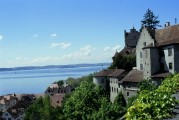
(126,62)
(156,104)
(120,100)
(60,82)
(42,110)
(92,102)
(147,85)
(150,20)
(131,100)
(83,101)
(76,81)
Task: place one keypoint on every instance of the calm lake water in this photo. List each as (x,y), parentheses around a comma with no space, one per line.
(37,80)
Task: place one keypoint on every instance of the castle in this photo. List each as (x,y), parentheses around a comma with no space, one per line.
(157,54)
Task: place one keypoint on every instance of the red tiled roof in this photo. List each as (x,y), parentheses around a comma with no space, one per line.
(133,76)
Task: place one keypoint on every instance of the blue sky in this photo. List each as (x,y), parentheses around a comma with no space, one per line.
(53,32)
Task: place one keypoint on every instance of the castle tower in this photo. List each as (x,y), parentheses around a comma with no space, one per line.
(131,38)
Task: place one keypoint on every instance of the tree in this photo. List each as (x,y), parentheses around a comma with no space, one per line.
(147,85)
(150,20)
(126,62)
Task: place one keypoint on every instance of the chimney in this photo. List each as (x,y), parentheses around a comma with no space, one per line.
(167,24)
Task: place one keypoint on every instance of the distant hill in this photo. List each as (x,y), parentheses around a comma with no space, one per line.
(54,66)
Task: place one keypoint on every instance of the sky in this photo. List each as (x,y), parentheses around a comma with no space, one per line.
(58,32)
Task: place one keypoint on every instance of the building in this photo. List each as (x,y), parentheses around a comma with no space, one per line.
(115,77)
(7,101)
(157,52)
(56,100)
(16,112)
(131,38)
(157,56)
(55,89)
(101,78)
(109,80)
(129,83)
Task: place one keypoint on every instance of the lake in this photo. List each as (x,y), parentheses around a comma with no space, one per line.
(36,79)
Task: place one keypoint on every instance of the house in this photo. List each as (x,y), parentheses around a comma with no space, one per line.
(157,56)
(56,100)
(16,112)
(115,87)
(108,79)
(129,83)
(101,78)
(7,101)
(28,97)
(13,114)
(157,52)
(55,89)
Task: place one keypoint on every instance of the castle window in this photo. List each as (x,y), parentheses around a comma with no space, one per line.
(140,54)
(127,93)
(144,43)
(117,90)
(170,66)
(141,66)
(169,51)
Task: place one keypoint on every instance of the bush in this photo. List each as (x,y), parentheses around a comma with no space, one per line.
(156,104)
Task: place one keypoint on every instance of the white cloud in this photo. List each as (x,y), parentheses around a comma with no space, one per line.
(1,37)
(83,53)
(53,35)
(112,49)
(61,45)
(86,50)
(107,48)
(35,35)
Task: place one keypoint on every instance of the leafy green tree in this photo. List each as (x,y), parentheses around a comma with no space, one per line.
(126,62)
(147,85)
(75,82)
(150,20)
(83,101)
(42,110)
(60,82)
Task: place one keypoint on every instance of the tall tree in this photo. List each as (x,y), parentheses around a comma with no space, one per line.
(150,20)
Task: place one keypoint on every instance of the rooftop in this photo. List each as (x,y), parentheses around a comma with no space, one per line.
(133,76)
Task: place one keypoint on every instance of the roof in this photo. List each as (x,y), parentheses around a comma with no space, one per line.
(6,99)
(167,35)
(117,73)
(133,76)
(54,86)
(104,73)
(161,75)
(56,100)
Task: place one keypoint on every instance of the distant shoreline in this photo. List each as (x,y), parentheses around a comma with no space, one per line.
(54,66)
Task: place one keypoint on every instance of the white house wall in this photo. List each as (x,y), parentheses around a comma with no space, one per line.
(144,37)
